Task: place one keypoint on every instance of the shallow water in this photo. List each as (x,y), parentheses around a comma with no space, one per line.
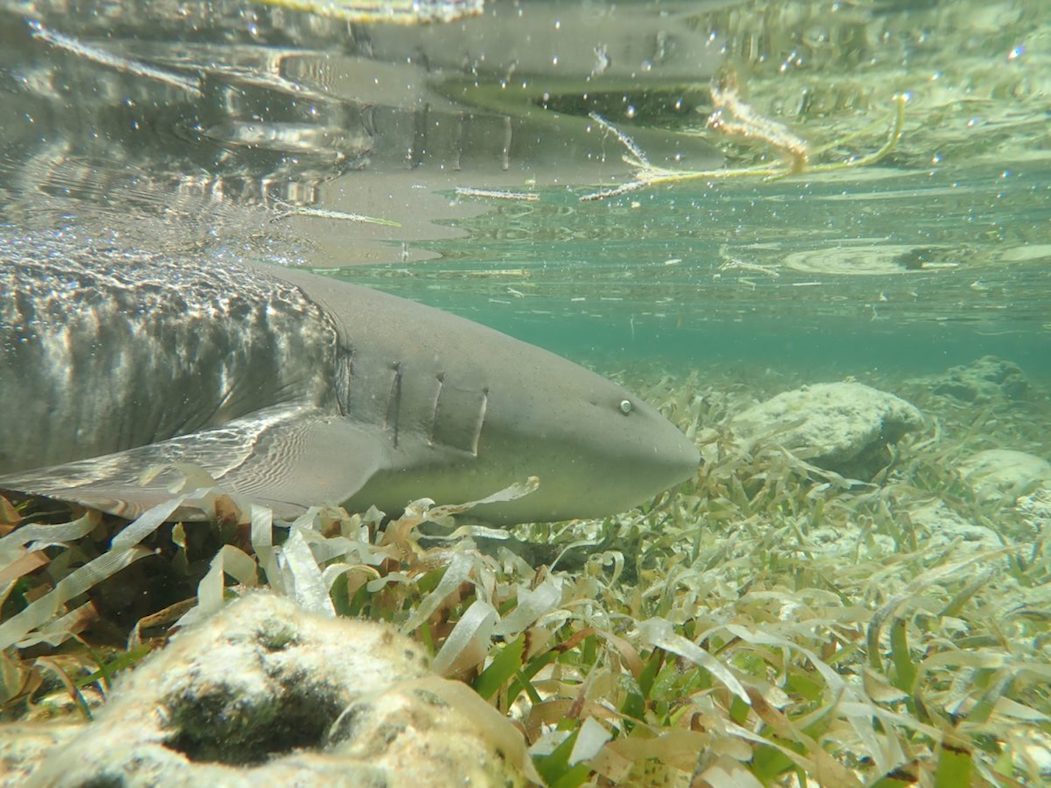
(200,132)
(447,163)
(805,274)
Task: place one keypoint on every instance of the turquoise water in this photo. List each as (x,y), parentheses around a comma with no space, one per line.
(446,164)
(936,275)
(248,130)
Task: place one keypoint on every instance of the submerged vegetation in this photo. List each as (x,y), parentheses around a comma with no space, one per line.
(768,623)
(734,118)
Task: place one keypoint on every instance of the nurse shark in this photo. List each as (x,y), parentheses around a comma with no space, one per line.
(292,389)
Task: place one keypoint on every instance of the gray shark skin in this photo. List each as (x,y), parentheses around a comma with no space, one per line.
(292,390)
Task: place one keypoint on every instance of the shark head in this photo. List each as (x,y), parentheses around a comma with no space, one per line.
(596,448)
(451,410)
(478,411)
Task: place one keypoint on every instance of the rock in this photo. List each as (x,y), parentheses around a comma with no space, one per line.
(1036,508)
(944,526)
(988,378)
(842,427)
(1004,474)
(264,693)
(25,746)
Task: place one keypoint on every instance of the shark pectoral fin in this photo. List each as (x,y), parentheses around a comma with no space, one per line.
(285,460)
(311,462)
(125,483)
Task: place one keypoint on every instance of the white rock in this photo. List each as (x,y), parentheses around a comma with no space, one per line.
(25,745)
(1036,508)
(843,427)
(266,694)
(1034,747)
(1004,474)
(944,526)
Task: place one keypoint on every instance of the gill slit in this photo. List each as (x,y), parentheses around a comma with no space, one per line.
(344,379)
(480,421)
(440,377)
(394,403)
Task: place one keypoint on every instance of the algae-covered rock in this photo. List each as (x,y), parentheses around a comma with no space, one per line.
(943,526)
(988,378)
(842,427)
(1004,474)
(265,693)
(1035,507)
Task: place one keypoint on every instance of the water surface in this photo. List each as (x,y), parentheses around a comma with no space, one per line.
(244,129)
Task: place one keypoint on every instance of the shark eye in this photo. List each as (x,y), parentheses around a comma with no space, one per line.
(625,406)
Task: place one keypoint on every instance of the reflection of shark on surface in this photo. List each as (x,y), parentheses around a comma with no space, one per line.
(189,109)
(292,389)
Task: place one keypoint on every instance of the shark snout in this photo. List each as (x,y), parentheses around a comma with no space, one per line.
(675,459)
(685,460)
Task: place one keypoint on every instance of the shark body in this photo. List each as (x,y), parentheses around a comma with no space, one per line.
(292,389)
